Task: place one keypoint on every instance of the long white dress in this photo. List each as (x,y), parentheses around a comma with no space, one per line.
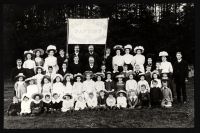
(67,105)
(166,67)
(25,106)
(77,90)
(89,86)
(58,88)
(38,78)
(68,88)
(140,60)
(32,89)
(51,61)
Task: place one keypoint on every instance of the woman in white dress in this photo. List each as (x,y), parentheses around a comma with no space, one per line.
(139,58)
(118,59)
(51,60)
(128,58)
(165,66)
(38,59)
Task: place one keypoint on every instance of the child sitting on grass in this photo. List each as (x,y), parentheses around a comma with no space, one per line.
(111,101)
(121,100)
(101,100)
(144,97)
(133,100)
(155,94)
(167,95)
(56,103)
(80,103)
(36,104)
(68,103)
(47,103)
(14,107)
(25,105)
(91,101)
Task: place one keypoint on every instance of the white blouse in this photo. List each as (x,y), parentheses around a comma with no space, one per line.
(128,58)
(51,61)
(118,60)
(39,61)
(29,64)
(91,102)
(46,88)
(25,106)
(31,89)
(131,85)
(166,67)
(99,85)
(121,102)
(77,88)
(58,88)
(111,102)
(145,83)
(89,86)
(68,88)
(159,85)
(139,59)
(67,105)
(80,105)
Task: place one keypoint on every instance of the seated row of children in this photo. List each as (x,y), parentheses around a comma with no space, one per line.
(54,102)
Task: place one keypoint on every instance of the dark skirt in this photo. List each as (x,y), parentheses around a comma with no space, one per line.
(130,67)
(29,72)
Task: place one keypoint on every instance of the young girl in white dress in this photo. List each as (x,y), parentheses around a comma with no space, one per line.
(139,58)
(155,77)
(29,64)
(143,82)
(68,83)
(99,84)
(46,85)
(131,84)
(67,103)
(51,60)
(58,86)
(25,105)
(20,86)
(80,103)
(38,59)
(39,75)
(89,85)
(32,87)
(77,86)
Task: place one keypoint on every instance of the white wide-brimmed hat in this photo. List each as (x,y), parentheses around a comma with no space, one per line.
(139,48)
(28,52)
(118,47)
(68,74)
(78,75)
(58,75)
(120,76)
(39,49)
(163,53)
(20,75)
(121,91)
(128,46)
(51,47)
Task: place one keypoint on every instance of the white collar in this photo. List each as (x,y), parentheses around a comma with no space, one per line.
(107,80)
(19,67)
(179,60)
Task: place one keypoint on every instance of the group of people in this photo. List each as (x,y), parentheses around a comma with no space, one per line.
(88,82)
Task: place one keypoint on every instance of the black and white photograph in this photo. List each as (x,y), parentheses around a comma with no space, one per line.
(98,65)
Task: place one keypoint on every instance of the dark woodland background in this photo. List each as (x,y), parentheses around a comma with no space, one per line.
(31,26)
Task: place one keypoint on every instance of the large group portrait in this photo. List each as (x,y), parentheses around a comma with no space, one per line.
(99,65)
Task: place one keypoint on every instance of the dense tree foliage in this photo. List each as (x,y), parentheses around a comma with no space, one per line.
(155,26)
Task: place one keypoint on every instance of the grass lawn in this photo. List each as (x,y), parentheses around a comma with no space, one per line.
(180,116)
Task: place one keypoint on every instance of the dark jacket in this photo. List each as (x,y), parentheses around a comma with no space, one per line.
(180,70)
(80,56)
(101,101)
(60,61)
(75,68)
(60,71)
(155,94)
(94,69)
(16,71)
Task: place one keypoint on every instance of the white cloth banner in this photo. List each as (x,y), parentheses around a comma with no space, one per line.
(87,31)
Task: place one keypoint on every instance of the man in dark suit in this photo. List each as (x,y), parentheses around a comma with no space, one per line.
(91,66)
(93,54)
(61,58)
(76,53)
(75,67)
(180,77)
(64,69)
(17,70)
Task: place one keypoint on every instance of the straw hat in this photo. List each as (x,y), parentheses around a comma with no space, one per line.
(51,47)
(128,46)
(89,73)
(20,75)
(120,76)
(100,74)
(38,49)
(163,53)
(78,75)
(28,52)
(47,77)
(121,91)
(67,94)
(37,94)
(139,48)
(68,74)
(39,67)
(58,75)
(31,78)
(142,74)
(118,47)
